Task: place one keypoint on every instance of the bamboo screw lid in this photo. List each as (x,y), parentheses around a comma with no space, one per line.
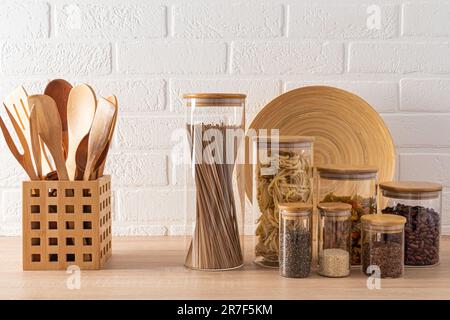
(335,209)
(214,99)
(384,220)
(347,169)
(285,139)
(295,208)
(334,206)
(410,186)
(214,96)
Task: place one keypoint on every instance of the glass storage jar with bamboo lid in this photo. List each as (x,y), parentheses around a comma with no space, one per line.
(295,239)
(420,203)
(383,245)
(215,124)
(282,173)
(355,185)
(334,239)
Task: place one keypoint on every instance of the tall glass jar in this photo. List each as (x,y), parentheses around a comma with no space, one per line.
(383,245)
(420,203)
(355,185)
(282,173)
(295,239)
(334,239)
(215,126)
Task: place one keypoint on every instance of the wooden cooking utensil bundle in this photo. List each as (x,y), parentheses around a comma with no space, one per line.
(67,124)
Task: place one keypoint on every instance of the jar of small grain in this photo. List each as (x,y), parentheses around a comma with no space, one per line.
(420,204)
(355,185)
(295,240)
(383,245)
(334,239)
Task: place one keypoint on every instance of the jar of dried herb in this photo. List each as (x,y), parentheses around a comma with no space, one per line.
(282,173)
(215,124)
(334,239)
(295,239)
(355,185)
(420,204)
(383,245)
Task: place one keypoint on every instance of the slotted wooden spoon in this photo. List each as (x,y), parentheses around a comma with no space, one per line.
(99,134)
(80,113)
(50,130)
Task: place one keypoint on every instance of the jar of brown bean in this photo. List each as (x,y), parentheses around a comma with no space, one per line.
(420,204)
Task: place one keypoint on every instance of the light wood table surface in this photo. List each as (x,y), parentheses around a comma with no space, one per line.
(152,268)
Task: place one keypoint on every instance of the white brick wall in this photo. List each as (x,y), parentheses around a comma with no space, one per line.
(149,53)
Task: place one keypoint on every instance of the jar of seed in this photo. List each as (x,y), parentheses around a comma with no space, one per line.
(383,245)
(334,239)
(295,240)
(420,204)
(355,185)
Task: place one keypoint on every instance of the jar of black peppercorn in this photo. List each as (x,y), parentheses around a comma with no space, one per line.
(295,240)
(383,245)
(420,204)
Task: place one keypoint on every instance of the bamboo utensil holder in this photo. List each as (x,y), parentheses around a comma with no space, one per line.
(66,223)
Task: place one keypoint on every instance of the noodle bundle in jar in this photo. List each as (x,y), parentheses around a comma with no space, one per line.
(283,173)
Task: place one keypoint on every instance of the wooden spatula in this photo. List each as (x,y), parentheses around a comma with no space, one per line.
(59,90)
(99,134)
(100,165)
(17,105)
(25,158)
(50,130)
(35,142)
(81,157)
(80,113)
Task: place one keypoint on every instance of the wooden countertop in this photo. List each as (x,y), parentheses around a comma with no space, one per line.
(152,268)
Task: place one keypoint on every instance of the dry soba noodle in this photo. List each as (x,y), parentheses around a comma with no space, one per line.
(216,242)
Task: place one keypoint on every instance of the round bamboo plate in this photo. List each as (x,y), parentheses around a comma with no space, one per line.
(347,129)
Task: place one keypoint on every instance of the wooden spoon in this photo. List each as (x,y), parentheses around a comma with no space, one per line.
(59,90)
(50,130)
(99,134)
(80,112)
(100,165)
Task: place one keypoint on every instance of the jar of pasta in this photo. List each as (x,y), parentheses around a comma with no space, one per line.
(355,185)
(383,245)
(283,173)
(420,204)
(295,239)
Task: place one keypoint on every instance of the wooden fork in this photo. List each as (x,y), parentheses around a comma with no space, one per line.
(24,159)
(16,103)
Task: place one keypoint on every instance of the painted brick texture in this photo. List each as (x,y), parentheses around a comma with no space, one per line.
(149,53)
